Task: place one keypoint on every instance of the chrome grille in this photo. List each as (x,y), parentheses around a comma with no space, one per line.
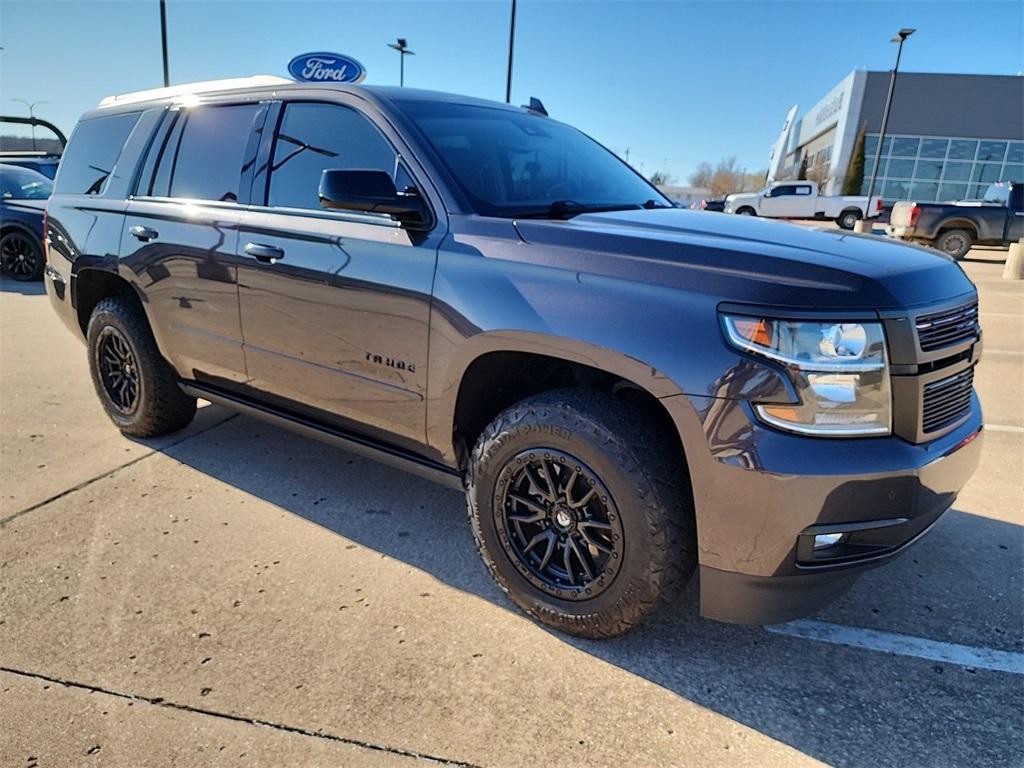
(946,401)
(943,329)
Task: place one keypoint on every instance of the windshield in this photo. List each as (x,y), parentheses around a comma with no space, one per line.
(519,164)
(23,184)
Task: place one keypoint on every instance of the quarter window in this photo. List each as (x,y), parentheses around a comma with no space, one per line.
(92,154)
(316,137)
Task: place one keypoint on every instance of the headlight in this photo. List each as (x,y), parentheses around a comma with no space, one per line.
(839,371)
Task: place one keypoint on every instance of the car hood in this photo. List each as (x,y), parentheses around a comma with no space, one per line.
(746,259)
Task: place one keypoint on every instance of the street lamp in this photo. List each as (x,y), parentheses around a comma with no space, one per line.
(900,38)
(32,114)
(402,46)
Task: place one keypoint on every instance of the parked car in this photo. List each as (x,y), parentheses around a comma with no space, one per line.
(800,200)
(23,195)
(954,228)
(44,160)
(627,391)
(44,163)
(716,204)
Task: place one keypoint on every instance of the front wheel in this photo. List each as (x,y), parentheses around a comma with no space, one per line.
(955,243)
(582,511)
(21,256)
(848,219)
(137,387)
(746,211)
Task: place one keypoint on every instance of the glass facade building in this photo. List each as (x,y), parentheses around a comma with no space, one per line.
(948,137)
(930,169)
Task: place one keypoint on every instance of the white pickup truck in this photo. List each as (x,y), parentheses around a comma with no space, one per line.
(800,200)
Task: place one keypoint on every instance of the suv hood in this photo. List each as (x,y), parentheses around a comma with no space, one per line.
(745,259)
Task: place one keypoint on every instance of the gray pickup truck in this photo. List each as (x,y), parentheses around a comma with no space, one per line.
(954,228)
(628,393)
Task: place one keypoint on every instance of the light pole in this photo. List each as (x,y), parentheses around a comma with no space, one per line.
(511,46)
(32,114)
(900,38)
(163,40)
(402,46)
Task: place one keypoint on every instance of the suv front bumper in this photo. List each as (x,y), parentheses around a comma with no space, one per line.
(761,496)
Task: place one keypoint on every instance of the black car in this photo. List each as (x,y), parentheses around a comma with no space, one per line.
(716,204)
(23,196)
(955,228)
(627,392)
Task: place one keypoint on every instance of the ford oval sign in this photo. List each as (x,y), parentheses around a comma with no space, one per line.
(326,68)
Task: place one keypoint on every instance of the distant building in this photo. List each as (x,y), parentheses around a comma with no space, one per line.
(949,136)
(684,196)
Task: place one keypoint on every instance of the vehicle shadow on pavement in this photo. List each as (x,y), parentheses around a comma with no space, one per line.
(840,705)
(10,285)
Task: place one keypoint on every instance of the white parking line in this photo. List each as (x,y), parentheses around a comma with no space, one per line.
(903,645)
(1003,428)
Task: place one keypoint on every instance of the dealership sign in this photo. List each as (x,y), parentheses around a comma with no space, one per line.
(326,68)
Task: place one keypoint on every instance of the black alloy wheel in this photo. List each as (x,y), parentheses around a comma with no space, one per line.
(560,526)
(118,369)
(21,257)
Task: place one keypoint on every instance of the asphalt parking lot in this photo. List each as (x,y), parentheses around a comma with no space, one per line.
(236,595)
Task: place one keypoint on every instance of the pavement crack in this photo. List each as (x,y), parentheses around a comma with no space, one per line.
(159,701)
(86,483)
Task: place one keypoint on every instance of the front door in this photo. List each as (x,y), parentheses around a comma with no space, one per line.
(334,306)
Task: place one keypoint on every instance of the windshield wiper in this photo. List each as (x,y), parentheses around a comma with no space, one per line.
(560,209)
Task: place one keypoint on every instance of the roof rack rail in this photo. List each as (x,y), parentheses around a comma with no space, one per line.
(186,89)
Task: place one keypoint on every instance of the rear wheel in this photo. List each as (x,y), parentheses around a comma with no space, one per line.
(581,511)
(137,387)
(21,256)
(848,219)
(955,242)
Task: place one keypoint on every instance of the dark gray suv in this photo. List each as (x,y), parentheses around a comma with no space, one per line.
(628,392)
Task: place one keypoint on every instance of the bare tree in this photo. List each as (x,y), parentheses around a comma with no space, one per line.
(702,176)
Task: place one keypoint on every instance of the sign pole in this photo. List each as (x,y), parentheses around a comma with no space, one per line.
(511,46)
(163,40)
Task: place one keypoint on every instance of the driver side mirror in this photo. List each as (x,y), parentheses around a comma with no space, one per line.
(372,192)
(767,193)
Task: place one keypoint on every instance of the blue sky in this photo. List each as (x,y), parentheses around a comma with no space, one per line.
(675,82)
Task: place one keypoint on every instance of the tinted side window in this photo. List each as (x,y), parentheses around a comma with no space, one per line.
(204,153)
(783,191)
(315,137)
(92,153)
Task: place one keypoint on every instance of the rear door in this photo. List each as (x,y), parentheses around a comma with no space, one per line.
(181,233)
(336,320)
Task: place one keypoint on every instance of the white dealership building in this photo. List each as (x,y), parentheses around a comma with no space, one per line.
(948,137)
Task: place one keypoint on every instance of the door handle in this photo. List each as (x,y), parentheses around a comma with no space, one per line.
(143,233)
(268,254)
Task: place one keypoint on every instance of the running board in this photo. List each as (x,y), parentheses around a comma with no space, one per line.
(394,457)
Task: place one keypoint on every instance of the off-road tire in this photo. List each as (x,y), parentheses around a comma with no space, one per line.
(955,242)
(848,219)
(21,257)
(161,406)
(642,470)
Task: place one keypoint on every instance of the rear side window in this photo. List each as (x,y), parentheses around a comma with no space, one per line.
(314,137)
(203,155)
(92,154)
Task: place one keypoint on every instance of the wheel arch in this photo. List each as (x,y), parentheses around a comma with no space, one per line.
(495,370)
(965,224)
(93,284)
